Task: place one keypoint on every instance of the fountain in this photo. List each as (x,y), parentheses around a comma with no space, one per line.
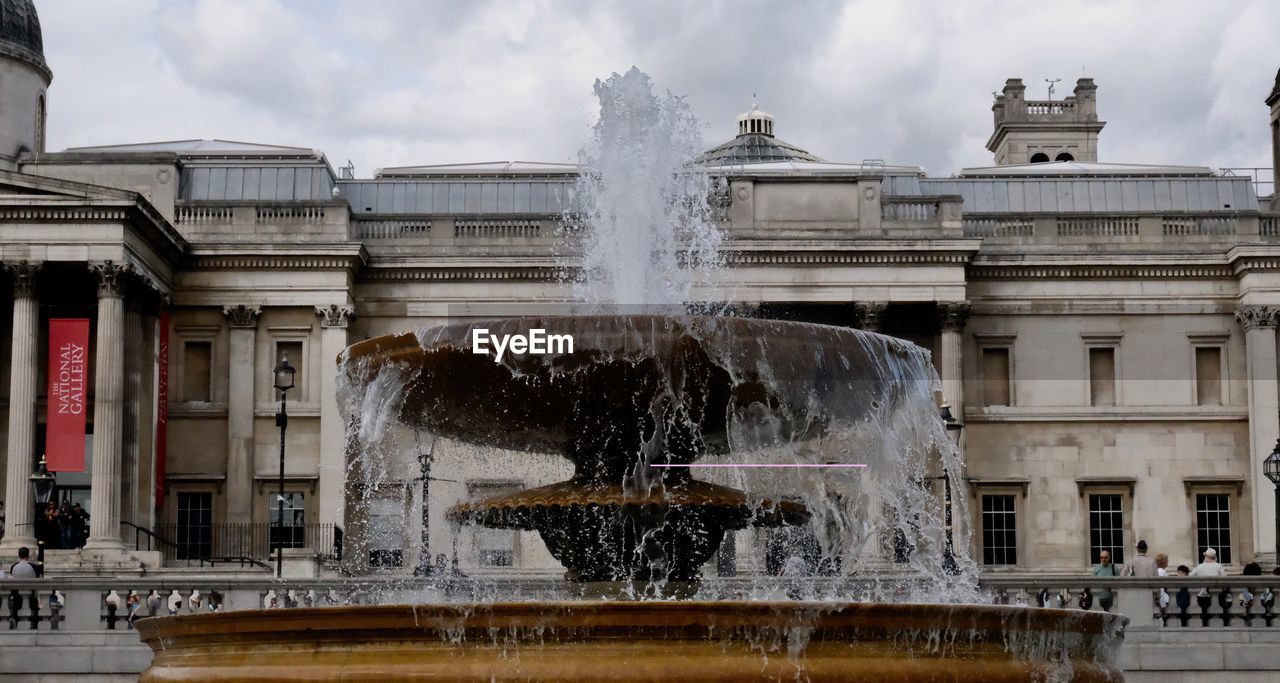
(824,429)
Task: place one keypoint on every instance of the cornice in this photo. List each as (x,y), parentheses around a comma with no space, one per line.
(297,256)
(1099,272)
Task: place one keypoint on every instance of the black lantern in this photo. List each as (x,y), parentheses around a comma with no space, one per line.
(284,375)
(42,481)
(1271,468)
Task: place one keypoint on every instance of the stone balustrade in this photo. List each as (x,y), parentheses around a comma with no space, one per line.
(1120,229)
(1050,107)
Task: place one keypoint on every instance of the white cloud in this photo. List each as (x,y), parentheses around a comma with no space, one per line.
(394,82)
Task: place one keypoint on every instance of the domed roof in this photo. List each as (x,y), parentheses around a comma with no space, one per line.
(755,144)
(20,32)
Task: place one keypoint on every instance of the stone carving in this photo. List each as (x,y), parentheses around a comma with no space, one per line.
(867,315)
(953,315)
(242,315)
(113,278)
(334,315)
(24,278)
(1255,317)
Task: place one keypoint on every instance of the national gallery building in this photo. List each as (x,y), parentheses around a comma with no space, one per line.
(1105,332)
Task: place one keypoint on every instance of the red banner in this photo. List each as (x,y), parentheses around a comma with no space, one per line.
(68,370)
(162,405)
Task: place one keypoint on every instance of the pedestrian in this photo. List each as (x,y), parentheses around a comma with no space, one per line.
(48,532)
(1210,566)
(1105,568)
(80,521)
(66,526)
(1246,594)
(1184,595)
(23,569)
(1162,564)
(1142,567)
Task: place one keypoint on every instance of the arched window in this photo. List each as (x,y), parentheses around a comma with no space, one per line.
(1064,157)
(40,124)
(1039,158)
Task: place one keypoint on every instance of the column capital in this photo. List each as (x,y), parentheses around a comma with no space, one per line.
(334,315)
(24,278)
(867,315)
(113,278)
(1253,317)
(241,315)
(953,315)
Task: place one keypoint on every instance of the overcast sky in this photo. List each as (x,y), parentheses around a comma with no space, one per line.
(398,82)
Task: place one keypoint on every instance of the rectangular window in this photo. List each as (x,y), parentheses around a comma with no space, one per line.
(195,525)
(999,530)
(493,547)
(291,534)
(293,351)
(386,532)
(1106,526)
(1208,376)
(197,370)
(1213,524)
(1102,377)
(995,376)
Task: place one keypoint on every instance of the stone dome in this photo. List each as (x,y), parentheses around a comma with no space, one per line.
(20,32)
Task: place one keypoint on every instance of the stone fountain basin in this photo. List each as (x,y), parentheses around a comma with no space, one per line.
(622,642)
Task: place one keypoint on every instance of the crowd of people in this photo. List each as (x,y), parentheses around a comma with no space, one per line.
(1144,566)
(64,527)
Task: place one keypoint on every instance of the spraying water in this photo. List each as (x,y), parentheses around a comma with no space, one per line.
(646,225)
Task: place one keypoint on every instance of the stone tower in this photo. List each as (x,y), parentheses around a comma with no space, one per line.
(24,78)
(1273,100)
(1032,131)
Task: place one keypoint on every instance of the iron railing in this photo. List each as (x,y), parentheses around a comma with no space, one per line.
(243,543)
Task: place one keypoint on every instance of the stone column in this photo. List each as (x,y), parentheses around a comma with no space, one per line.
(334,321)
(243,321)
(19,499)
(867,316)
(1259,323)
(130,482)
(108,410)
(952,317)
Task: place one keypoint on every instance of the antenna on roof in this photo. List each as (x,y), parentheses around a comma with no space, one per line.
(1051,82)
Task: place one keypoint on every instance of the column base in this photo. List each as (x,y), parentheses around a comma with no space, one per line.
(1267,560)
(11,542)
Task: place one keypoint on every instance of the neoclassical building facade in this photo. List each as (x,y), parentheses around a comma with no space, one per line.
(1106,332)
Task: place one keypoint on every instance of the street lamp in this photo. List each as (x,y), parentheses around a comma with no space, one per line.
(1271,468)
(953,427)
(284,382)
(42,481)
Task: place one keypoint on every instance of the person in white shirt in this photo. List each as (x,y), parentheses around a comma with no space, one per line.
(23,569)
(1210,565)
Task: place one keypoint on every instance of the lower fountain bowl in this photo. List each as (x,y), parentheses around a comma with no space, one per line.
(623,642)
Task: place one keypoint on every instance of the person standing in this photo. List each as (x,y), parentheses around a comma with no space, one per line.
(1162,570)
(1142,567)
(1105,568)
(1210,566)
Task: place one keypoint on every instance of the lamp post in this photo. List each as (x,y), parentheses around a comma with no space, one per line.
(953,427)
(1271,468)
(42,481)
(284,382)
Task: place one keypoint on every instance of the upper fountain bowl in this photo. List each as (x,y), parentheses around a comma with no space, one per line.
(709,382)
